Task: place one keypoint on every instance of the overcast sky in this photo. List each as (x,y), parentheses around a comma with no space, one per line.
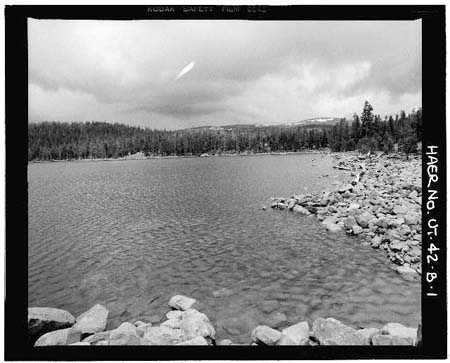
(176,74)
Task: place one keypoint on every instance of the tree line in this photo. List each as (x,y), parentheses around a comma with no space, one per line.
(370,133)
(78,140)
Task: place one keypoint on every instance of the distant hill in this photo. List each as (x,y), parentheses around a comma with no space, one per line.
(319,121)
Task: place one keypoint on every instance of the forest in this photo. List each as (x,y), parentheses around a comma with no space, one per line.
(88,140)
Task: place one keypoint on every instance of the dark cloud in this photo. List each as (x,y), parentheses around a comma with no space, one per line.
(266,70)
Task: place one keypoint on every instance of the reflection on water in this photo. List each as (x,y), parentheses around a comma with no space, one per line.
(131,234)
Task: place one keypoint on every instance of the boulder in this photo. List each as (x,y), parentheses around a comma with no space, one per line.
(59,337)
(299,209)
(407,272)
(357,229)
(225,342)
(101,342)
(92,321)
(363,219)
(142,329)
(345,188)
(94,338)
(195,341)
(390,340)
(285,340)
(44,320)
(265,335)
(376,242)
(180,302)
(413,195)
(297,332)
(80,343)
(397,245)
(400,209)
(161,336)
(350,222)
(139,323)
(172,323)
(333,227)
(125,334)
(332,332)
(174,314)
(412,218)
(367,334)
(404,230)
(196,324)
(400,330)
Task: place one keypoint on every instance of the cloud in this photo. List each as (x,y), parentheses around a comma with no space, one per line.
(245,71)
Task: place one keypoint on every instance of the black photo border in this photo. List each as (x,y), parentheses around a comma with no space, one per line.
(434,313)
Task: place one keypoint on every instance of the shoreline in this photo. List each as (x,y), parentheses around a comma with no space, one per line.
(131,157)
(382,204)
(184,324)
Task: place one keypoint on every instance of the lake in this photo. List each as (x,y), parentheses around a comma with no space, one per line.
(131,234)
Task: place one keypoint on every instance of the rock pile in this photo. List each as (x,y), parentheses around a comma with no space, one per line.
(382,204)
(332,332)
(187,326)
(184,326)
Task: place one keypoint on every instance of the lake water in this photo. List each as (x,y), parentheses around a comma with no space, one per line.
(131,234)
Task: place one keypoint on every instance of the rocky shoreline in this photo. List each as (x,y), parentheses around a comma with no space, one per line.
(381,203)
(185,325)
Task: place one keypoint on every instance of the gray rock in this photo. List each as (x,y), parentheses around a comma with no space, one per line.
(299,209)
(412,218)
(180,302)
(195,341)
(397,245)
(407,272)
(333,227)
(297,332)
(332,332)
(225,342)
(345,188)
(285,340)
(161,336)
(101,342)
(404,229)
(142,329)
(363,219)
(172,323)
(413,195)
(80,343)
(44,320)
(125,334)
(139,323)
(265,335)
(59,337)
(195,324)
(367,334)
(174,314)
(376,242)
(104,335)
(350,222)
(400,209)
(357,229)
(390,340)
(93,320)
(400,330)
